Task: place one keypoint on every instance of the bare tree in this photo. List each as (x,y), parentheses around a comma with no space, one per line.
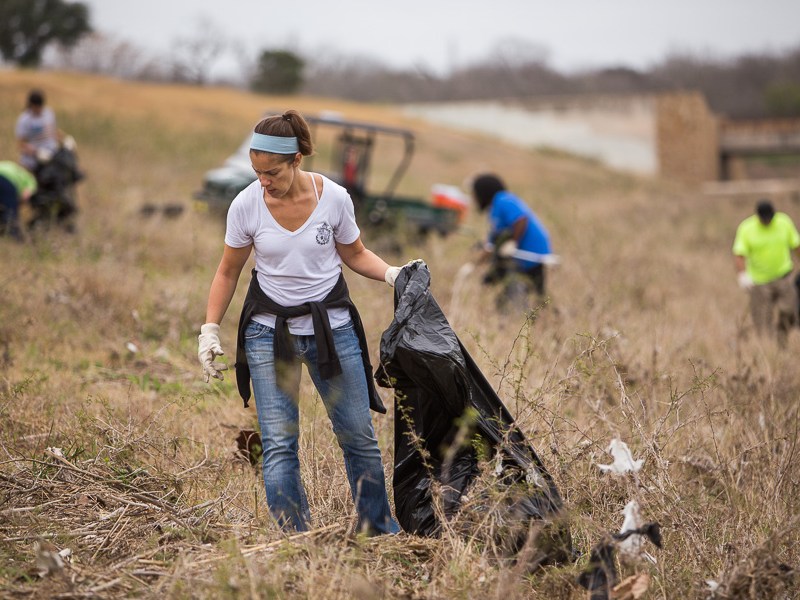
(367,79)
(247,61)
(515,53)
(736,87)
(103,54)
(194,55)
(514,68)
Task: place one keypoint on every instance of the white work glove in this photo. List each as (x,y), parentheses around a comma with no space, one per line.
(69,143)
(44,155)
(392,272)
(208,349)
(745,281)
(507,249)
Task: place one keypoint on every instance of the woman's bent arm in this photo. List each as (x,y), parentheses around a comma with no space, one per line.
(363,261)
(224,283)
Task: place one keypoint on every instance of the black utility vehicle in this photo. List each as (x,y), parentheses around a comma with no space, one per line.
(349,163)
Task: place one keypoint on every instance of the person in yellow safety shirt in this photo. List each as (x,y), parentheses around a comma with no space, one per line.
(763,256)
(17,184)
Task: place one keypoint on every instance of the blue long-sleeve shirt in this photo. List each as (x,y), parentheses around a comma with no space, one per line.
(505,210)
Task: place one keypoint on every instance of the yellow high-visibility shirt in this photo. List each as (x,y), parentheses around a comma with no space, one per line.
(19,176)
(767,249)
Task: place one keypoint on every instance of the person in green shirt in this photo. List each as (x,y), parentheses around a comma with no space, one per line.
(762,253)
(17,184)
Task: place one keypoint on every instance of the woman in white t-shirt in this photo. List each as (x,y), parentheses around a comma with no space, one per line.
(302,227)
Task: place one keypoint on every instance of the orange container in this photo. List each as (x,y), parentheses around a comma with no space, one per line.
(450,196)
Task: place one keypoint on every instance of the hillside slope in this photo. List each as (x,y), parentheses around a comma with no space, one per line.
(645,337)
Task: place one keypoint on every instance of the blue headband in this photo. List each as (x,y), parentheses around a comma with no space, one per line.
(274,144)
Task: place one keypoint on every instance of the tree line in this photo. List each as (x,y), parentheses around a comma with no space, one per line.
(752,85)
(59,34)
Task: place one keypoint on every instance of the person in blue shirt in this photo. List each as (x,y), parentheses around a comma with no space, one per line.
(518,243)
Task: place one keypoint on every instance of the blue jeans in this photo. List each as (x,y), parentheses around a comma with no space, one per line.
(346,400)
(9,209)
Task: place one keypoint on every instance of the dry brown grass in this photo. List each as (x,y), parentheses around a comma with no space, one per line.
(646,337)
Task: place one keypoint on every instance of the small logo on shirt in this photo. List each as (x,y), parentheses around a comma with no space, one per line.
(324,232)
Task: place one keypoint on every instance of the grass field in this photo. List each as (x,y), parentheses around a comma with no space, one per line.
(645,337)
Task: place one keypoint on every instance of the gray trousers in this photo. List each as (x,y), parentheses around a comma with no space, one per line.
(774,306)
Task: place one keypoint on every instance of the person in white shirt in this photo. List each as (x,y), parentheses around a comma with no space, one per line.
(302,227)
(36,130)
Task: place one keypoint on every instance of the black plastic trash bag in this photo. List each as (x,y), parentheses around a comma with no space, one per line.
(54,201)
(438,388)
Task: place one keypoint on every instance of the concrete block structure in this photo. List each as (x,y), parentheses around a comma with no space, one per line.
(672,135)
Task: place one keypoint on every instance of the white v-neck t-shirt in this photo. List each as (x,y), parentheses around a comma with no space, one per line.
(297,266)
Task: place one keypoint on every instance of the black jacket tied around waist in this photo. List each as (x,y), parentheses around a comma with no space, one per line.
(257,302)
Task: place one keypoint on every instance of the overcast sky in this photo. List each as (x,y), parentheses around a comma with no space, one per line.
(442,34)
